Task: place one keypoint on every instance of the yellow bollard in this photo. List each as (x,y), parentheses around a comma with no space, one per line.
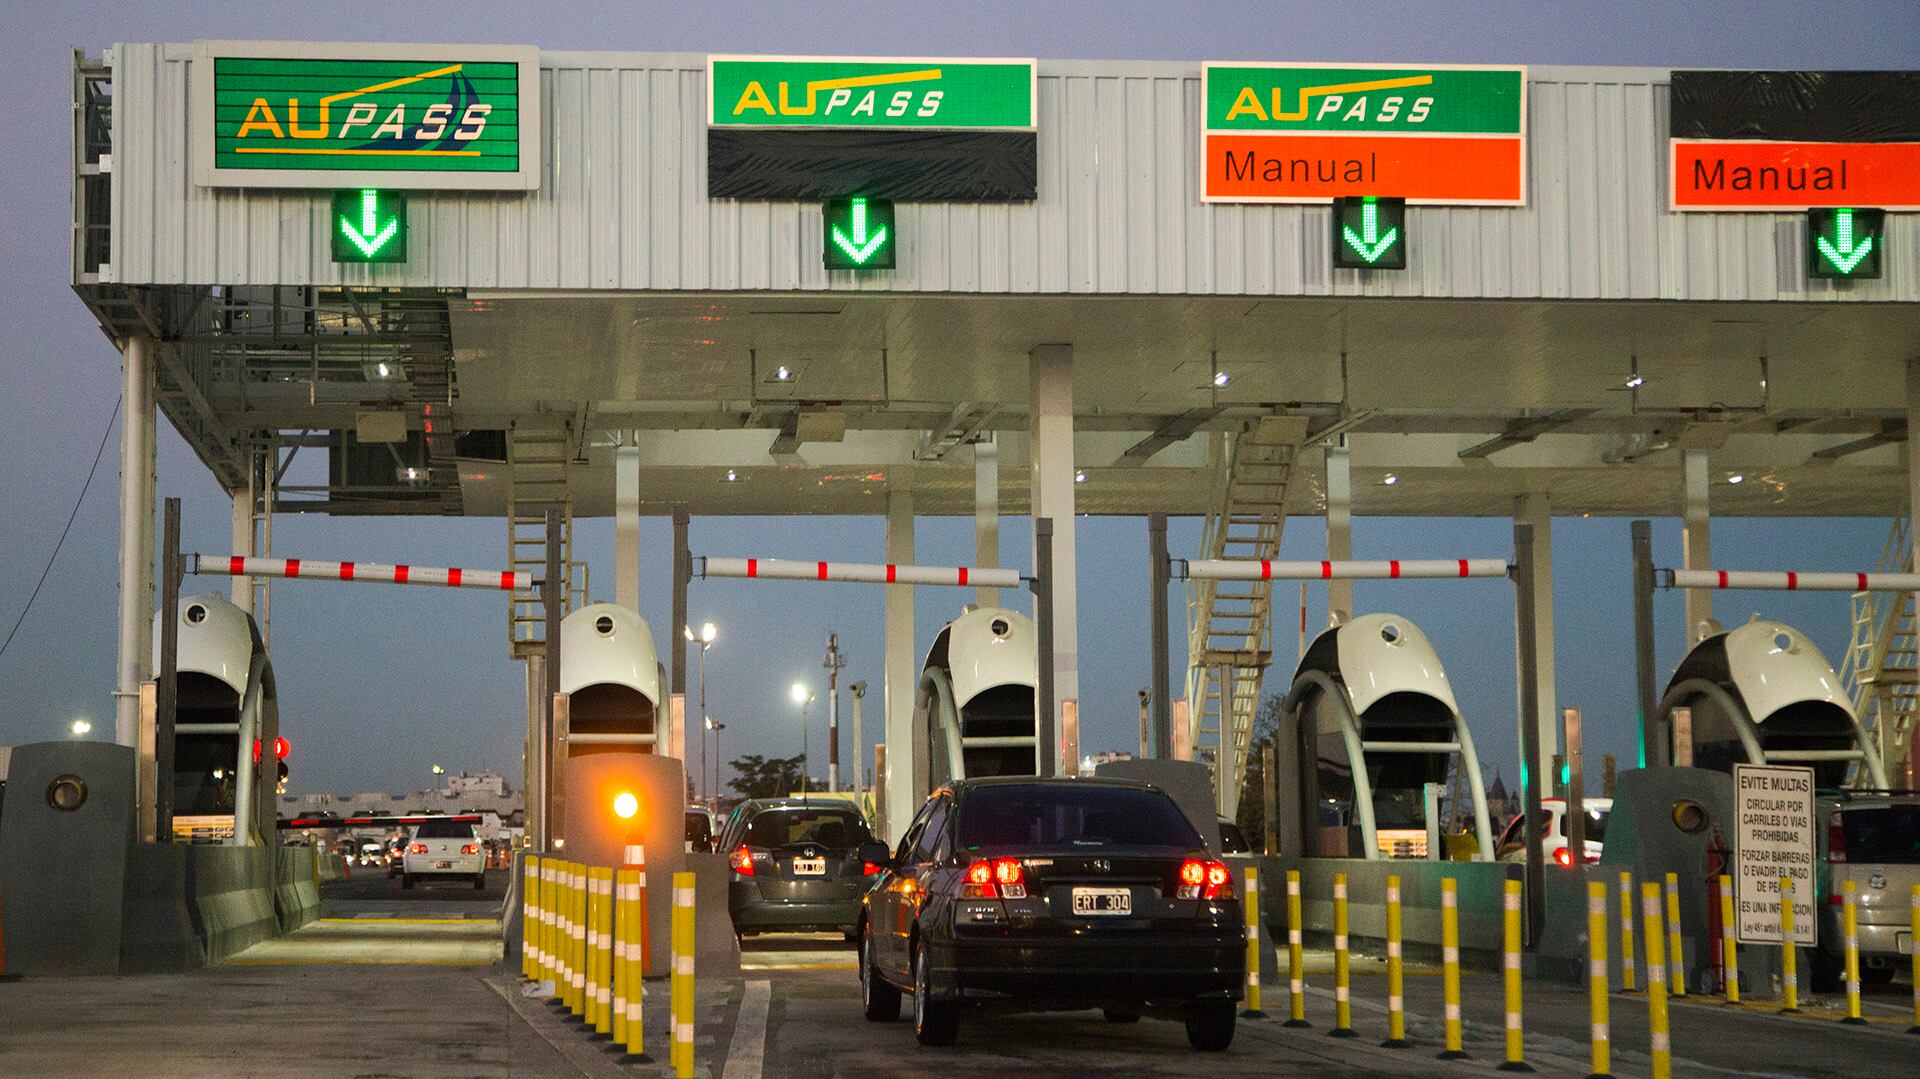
(1450,965)
(530,918)
(1850,931)
(1913,934)
(1252,908)
(1659,1038)
(1342,963)
(1789,957)
(1628,976)
(1676,951)
(1599,981)
(1510,962)
(1296,960)
(1396,973)
(635,858)
(602,964)
(545,929)
(628,1026)
(577,945)
(590,991)
(683,975)
(563,933)
(1729,943)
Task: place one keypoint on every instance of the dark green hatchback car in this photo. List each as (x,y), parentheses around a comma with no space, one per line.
(794,865)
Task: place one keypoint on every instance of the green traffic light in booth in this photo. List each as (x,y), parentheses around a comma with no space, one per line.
(860,234)
(1370,233)
(1845,243)
(369,226)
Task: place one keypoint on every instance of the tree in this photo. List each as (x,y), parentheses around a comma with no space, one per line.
(765,777)
(1252,815)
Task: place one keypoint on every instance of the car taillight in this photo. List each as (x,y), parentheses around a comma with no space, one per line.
(417,848)
(1001,878)
(470,848)
(1564,856)
(1836,838)
(742,862)
(1201,879)
(870,869)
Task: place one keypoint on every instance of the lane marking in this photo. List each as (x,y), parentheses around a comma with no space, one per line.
(746,1053)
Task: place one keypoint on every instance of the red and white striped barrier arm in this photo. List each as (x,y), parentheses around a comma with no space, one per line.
(375,572)
(1787,581)
(861,572)
(1247,569)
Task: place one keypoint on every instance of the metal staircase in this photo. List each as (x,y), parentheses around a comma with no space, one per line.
(1230,623)
(540,464)
(1881,671)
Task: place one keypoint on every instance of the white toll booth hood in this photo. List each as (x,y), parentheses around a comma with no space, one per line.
(988,647)
(1383,654)
(215,638)
(605,644)
(1774,665)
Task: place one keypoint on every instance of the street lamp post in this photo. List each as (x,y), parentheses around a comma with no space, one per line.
(707,633)
(804,696)
(716,728)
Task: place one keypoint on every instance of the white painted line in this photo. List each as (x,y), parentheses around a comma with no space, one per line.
(747,1052)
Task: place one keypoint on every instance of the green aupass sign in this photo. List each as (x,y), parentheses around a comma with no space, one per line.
(284,114)
(1366,100)
(756,91)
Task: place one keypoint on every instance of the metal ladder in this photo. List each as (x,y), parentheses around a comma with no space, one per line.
(540,464)
(1881,671)
(1230,623)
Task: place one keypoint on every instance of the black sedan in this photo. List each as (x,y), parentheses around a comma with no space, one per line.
(794,865)
(1026,894)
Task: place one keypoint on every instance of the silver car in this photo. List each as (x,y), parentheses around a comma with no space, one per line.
(1873,841)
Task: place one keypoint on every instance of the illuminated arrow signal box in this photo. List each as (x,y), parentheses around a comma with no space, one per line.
(1845,243)
(369,226)
(1370,233)
(859,234)
(1303,133)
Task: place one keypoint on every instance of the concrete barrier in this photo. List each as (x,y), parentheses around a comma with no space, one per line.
(1480,886)
(159,929)
(233,888)
(296,892)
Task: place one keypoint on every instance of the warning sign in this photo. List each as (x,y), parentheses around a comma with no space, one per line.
(1773,838)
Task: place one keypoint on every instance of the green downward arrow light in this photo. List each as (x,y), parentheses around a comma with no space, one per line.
(1845,242)
(1369,244)
(859,234)
(1369,233)
(369,226)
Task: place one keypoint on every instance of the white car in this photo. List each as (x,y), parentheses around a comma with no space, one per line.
(1553,840)
(446,849)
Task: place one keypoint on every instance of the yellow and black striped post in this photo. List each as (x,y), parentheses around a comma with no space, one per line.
(577,944)
(1660,1044)
(1676,949)
(563,934)
(1850,936)
(1296,958)
(530,919)
(1599,981)
(1450,966)
(1729,943)
(1516,1060)
(1342,964)
(1789,959)
(1628,976)
(628,992)
(549,926)
(590,992)
(1396,973)
(682,983)
(602,962)
(1251,906)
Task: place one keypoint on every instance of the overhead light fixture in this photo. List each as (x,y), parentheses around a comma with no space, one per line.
(81,727)
(783,374)
(383,370)
(1221,378)
(1736,478)
(411,473)
(1390,478)
(1634,382)
(1080,476)
(732,475)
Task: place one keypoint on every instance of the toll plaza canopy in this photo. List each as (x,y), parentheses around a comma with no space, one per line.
(419,257)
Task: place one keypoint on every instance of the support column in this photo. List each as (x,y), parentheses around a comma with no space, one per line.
(1907,766)
(986,514)
(900,787)
(1696,541)
(533,768)
(136,537)
(1339,527)
(1536,510)
(676,637)
(243,504)
(1050,372)
(626,525)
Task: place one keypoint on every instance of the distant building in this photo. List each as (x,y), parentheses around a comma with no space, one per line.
(467,792)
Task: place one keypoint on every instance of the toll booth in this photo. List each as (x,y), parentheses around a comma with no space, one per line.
(1764,694)
(1368,724)
(226,721)
(975,705)
(607,724)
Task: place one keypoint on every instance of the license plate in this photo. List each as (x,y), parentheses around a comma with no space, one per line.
(1097,901)
(809,867)
(443,865)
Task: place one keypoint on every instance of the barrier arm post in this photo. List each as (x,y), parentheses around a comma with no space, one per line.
(1510,962)
(1296,960)
(1252,908)
(1396,973)
(1450,965)
(1342,964)
(1659,1037)
(1599,982)
(1729,943)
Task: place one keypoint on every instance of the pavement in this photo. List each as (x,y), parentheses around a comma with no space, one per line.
(393,983)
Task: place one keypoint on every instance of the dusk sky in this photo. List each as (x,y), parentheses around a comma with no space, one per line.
(378,684)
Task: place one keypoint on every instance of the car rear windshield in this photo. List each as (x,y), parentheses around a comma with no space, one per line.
(444,829)
(822,827)
(1596,830)
(1889,834)
(1072,816)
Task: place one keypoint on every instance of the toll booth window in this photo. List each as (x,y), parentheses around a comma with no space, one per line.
(444,829)
(1596,825)
(699,831)
(821,827)
(1092,817)
(1887,835)
(203,774)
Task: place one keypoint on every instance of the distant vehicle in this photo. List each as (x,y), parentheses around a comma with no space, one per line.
(396,855)
(1025,894)
(1232,839)
(699,830)
(371,852)
(794,865)
(1553,843)
(1873,841)
(443,848)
